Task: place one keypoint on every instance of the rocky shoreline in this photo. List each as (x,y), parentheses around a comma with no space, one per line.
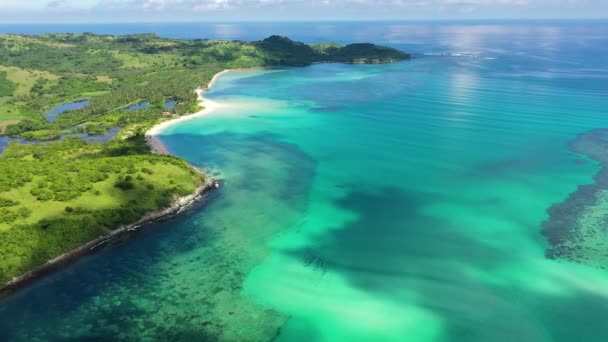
(177,207)
(157,147)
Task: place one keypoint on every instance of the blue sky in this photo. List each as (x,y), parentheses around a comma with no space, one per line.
(281,10)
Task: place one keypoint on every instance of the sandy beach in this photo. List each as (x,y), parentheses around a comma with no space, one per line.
(208,106)
(176,207)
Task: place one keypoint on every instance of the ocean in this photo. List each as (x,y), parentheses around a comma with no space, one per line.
(398,202)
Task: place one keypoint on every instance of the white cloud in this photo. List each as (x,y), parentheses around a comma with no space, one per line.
(485,2)
(182,5)
(201,5)
(56,3)
(216,10)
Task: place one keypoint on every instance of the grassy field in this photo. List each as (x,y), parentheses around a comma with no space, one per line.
(104,194)
(111,72)
(57,196)
(17,111)
(13,113)
(104,79)
(6,123)
(144,61)
(17,43)
(63,194)
(18,82)
(25,79)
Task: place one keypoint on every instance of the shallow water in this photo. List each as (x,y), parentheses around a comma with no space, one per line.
(97,138)
(144,105)
(169,104)
(51,115)
(141,105)
(5,141)
(365,202)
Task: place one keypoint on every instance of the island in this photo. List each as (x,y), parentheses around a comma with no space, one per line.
(74,111)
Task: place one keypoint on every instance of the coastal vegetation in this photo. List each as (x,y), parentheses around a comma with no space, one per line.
(114,72)
(58,195)
(63,194)
(7,88)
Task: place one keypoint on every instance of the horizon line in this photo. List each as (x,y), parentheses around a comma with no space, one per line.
(307,21)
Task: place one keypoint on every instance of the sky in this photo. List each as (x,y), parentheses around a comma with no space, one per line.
(78,11)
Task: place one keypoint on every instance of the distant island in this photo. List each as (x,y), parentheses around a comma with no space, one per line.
(62,198)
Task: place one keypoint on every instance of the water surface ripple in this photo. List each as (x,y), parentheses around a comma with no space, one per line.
(365,202)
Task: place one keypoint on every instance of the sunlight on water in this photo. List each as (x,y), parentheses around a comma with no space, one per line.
(366,202)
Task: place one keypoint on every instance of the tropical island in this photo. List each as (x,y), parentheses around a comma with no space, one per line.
(60,192)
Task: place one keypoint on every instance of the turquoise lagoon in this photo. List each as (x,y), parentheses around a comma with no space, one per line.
(399,202)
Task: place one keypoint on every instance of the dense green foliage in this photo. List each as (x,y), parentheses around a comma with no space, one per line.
(361,53)
(7,88)
(283,51)
(116,71)
(56,196)
(70,192)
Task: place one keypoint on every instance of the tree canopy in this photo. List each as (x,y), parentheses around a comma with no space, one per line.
(57,196)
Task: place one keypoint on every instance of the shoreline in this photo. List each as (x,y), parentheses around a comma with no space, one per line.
(179,204)
(209,106)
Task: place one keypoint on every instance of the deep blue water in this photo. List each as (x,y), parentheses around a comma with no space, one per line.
(362,202)
(568,48)
(313,32)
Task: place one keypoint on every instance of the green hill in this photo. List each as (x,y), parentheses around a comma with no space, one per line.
(57,196)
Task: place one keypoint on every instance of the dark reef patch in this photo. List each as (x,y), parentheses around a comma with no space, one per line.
(180,281)
(577,227)
(266,147)
(395,248)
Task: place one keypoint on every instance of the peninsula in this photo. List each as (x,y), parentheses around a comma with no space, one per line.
(60,193)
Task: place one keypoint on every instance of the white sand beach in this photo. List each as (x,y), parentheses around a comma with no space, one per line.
(208,106)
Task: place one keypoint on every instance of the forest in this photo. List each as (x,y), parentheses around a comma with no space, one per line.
(62,194)
(59,194)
